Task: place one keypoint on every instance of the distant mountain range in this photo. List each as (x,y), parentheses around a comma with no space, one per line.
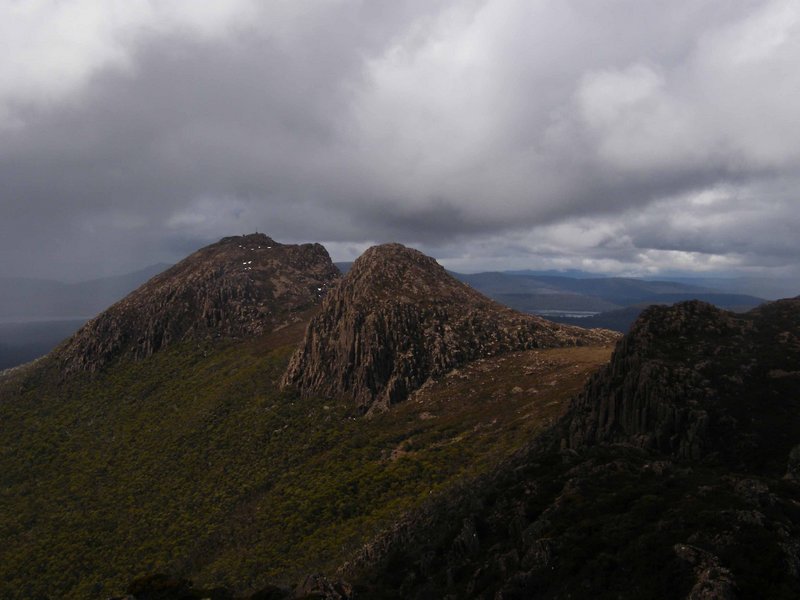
(767,287)
(573,295)
(608,302)
(551,294)
(771,288)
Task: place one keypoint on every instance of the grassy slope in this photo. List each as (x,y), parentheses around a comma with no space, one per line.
(193,462)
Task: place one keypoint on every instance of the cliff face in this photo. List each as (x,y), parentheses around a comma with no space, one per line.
(693,381)
(240,286)
(398,318)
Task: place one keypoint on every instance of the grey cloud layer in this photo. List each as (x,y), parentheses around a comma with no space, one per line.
(614,134)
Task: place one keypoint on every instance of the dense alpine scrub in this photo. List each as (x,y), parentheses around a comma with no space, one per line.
(192,462)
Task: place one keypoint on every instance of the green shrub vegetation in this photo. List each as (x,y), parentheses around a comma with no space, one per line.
(193,462)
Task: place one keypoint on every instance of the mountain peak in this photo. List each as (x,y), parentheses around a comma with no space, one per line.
(394,255)
(238,287)
(398,318)
(684,380)
(389,271)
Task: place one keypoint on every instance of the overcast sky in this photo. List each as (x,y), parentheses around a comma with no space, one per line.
(620,136)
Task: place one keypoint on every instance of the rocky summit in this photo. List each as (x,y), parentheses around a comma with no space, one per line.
(240,286)
(696,382)
(398,319)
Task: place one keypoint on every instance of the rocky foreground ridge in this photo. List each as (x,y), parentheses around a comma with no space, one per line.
(240,286)
(398,318)
(675,474)
(695,382)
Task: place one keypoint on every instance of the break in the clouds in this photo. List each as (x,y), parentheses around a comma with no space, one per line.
(613,135)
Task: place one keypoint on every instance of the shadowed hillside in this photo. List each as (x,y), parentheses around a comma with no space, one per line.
(674,475)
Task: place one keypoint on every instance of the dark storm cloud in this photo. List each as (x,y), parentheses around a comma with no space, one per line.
(614,135)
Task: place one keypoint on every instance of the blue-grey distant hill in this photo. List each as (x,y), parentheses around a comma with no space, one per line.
(591,301)
(771,288)
(344,267)
(620,291)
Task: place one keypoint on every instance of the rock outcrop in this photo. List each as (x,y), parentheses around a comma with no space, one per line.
(398,318)
(694,381)
(240,286)
(673,475)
